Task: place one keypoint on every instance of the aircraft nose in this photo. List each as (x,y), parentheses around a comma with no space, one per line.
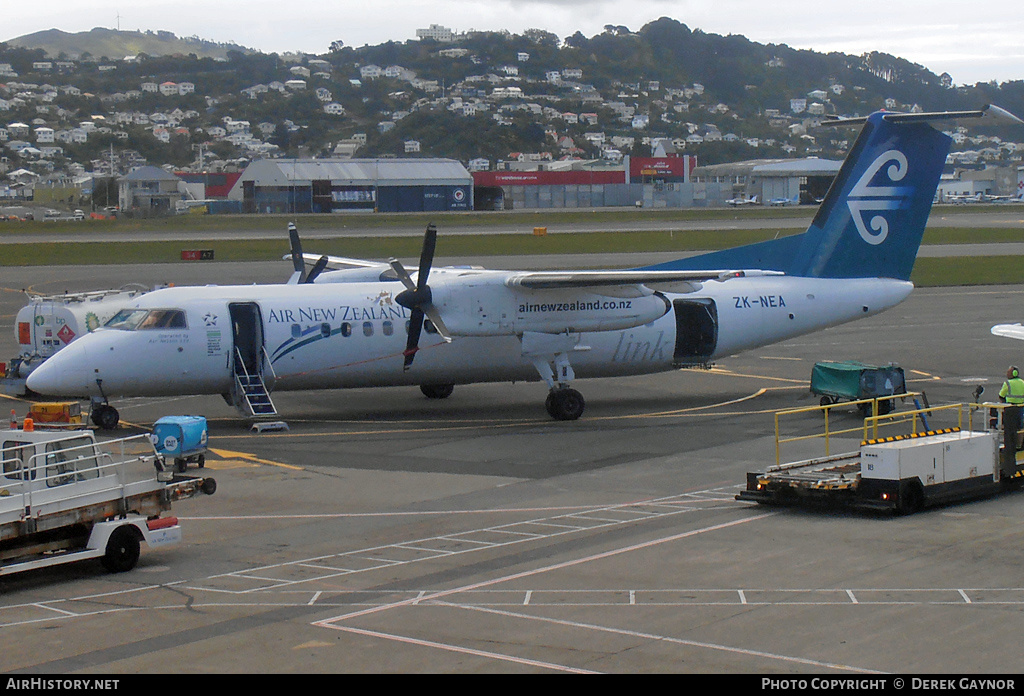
(65,373)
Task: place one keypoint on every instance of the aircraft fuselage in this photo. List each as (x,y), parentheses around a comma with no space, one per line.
(331,335)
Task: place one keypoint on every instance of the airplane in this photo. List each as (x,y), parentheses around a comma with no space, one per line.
(795,200)
(991,198)
(355,323)
(964,198)
(742,201)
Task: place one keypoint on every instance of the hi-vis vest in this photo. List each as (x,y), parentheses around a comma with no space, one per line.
(1013,391)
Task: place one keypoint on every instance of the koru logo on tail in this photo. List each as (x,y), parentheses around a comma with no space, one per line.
(865,199)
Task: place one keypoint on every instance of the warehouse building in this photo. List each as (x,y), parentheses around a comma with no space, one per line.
(327,186)
(804,180)
(648,182)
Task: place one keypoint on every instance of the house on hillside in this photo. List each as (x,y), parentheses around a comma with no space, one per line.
(149,191)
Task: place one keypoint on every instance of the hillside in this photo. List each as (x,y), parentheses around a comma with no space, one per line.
(115,45)
(485,97)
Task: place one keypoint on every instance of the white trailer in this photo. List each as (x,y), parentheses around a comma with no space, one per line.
(903,473)
(66,496)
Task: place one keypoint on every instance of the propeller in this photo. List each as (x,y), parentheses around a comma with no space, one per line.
(298,262)
(418,298)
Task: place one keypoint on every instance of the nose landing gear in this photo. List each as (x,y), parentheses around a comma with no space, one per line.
(102,413)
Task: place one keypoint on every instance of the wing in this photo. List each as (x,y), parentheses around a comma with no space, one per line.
(537,280)
(337,269)
(1009,330)
(342,263)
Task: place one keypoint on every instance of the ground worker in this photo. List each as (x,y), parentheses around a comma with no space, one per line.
(1012,392)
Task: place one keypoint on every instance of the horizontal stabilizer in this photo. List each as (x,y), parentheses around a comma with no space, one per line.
(1009,331)
(985,115)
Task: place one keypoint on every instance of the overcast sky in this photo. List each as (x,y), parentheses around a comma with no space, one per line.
(973,43)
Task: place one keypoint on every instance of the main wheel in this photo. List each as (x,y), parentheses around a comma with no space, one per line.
(437,391)
(565,404)
(123,550)
(106,416)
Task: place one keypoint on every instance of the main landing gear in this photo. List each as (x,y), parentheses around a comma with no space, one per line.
(550,356)
(437,391)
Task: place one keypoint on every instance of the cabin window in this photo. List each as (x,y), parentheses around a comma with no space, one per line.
(146,319)
(389,328)
(367,329)
(296,331)
(127,319)
(325,330)
(164,319)
(346,329)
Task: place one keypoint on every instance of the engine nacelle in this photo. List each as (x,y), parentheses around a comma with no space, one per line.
(495,310)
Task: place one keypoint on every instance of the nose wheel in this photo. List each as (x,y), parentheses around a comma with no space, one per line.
(565,403)
(105,416)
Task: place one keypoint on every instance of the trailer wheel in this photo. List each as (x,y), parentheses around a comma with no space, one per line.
(181,465)
(911,498)
(123,550)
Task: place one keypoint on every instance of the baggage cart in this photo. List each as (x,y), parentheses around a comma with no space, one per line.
(182,438)
(856,381)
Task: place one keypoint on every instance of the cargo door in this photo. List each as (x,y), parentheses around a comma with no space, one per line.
(696,332)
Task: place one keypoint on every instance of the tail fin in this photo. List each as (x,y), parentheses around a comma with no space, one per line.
(872,220)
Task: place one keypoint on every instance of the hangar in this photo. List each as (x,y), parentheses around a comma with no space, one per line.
(774,179)
(328,185)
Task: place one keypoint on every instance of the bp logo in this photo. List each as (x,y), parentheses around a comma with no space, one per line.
(92,322)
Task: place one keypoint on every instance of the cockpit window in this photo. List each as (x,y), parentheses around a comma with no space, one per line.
(145,319)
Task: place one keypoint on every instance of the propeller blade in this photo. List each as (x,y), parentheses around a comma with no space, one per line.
(412,345)
(427,256)
(403,275)
(435,319)
(317,269)
(297,262)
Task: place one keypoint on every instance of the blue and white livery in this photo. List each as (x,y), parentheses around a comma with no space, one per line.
(352,323)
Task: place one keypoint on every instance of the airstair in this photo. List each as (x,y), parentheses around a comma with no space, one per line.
(252,398)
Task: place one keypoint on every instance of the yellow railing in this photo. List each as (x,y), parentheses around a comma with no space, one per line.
(830,432)
(918,420)
(915,422)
